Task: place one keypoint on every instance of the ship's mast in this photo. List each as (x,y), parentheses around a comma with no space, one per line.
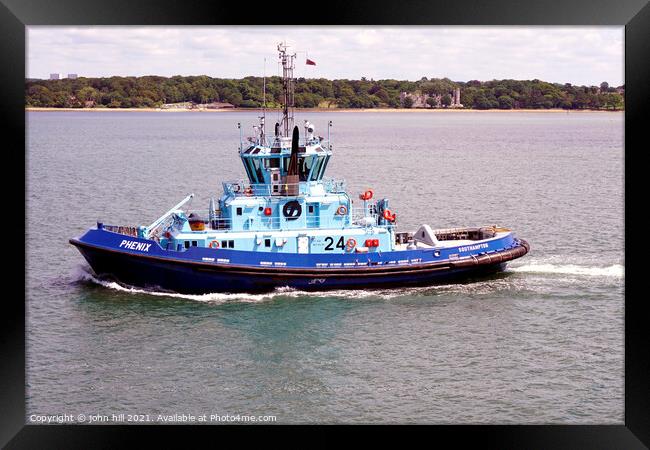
(287,87)
(263,116)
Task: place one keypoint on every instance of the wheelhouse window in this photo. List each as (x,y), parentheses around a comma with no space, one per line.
(316,173)
(323,166)
(305,163)
(254,169)
(248,165)
(271,163)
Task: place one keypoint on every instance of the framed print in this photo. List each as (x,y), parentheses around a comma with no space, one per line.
(465,268)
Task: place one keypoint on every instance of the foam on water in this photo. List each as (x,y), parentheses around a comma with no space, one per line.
(82,274)
(85,276)
(477,288)
(614,271)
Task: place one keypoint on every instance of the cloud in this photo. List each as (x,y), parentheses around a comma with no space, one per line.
(578,55)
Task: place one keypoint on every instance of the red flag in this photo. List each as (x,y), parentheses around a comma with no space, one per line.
(309,62)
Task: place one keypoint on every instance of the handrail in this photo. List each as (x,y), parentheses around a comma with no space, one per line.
(359,216)
(285,142)
(261,224)
(125,230)
(244,188)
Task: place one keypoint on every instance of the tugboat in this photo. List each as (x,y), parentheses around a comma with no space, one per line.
(288,226)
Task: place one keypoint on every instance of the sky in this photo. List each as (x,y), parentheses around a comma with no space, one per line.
(578,55)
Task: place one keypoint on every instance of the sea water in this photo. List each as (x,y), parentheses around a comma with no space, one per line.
(539,343)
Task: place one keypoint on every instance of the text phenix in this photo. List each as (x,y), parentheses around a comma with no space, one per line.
(135,245)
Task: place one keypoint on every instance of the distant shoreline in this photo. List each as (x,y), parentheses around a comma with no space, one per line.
(335,110)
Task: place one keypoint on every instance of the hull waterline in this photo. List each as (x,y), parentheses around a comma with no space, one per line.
(193,277)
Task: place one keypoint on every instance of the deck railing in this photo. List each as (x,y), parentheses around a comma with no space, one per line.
(244,188)
(262,223)
(284,142)
(125,230)
(358,216)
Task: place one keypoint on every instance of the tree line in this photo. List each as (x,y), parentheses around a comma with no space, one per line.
(248,92)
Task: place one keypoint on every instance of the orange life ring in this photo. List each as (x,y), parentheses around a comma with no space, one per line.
(350,244)
(248,191)
(342,210)
(388,215)
(366,195)
(214,244)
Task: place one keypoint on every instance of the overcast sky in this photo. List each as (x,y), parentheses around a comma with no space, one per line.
(577,55)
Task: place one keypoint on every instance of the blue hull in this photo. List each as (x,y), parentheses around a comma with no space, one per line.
(144,263)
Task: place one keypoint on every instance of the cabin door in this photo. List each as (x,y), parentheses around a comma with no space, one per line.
(313,216)
(303,244)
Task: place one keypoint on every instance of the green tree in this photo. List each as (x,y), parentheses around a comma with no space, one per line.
(614,101)
(468,95)
(393,100)
(38,95)
(87,94)
(382,95)
(60,99)
(506,102)
(407,102)
(121,92)
(445,100)
(232,96)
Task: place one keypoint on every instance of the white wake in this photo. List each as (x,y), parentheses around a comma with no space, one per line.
(477,287)
(83,275)
(614,271)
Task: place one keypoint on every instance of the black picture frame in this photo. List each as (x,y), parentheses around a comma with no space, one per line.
(15,15)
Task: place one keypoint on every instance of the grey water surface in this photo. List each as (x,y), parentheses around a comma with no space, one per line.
(540,343)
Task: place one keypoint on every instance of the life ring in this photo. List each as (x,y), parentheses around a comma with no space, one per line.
(388,215)
(342,210)
(248,191)
(366,195)
(350,244)
(214,244)
(236,187)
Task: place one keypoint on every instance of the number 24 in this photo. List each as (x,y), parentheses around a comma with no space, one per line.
(330,242)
